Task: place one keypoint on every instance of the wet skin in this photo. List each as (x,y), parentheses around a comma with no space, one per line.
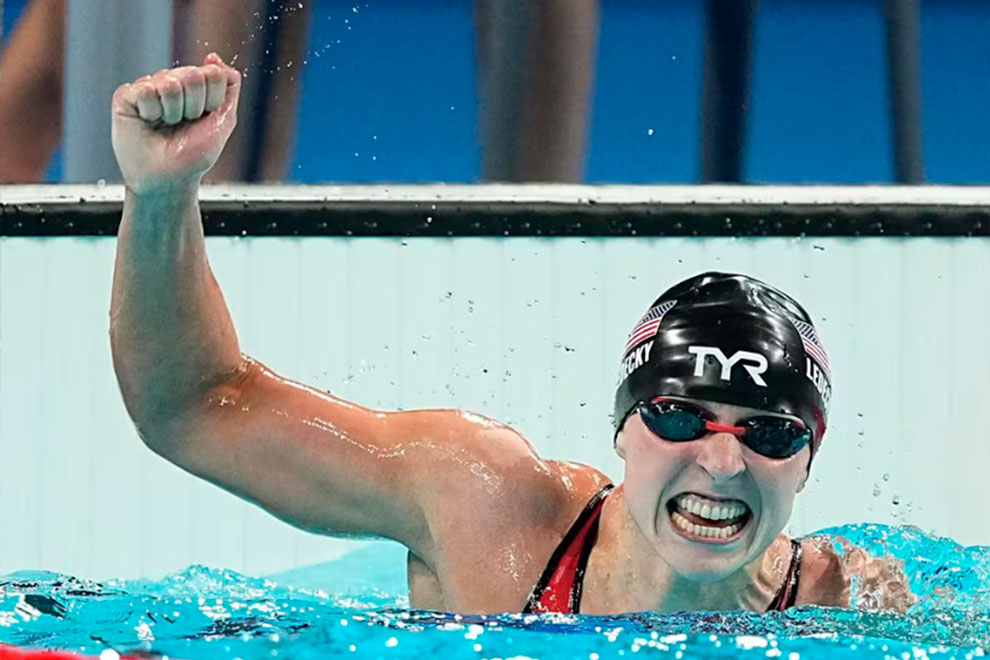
(641,560)
(479,510)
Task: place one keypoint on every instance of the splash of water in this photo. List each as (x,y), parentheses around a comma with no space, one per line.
(356,606)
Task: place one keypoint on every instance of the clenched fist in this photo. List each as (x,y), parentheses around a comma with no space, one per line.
(169,128)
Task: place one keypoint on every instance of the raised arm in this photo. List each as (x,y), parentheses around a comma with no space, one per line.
(309,458)
(170,331)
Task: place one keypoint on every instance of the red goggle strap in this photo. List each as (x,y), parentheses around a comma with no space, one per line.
(725,428)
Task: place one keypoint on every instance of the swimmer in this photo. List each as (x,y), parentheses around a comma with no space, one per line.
(721,408)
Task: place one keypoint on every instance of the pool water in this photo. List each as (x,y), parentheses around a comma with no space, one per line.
(356,607)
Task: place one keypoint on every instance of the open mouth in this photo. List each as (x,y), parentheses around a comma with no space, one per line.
(706,520)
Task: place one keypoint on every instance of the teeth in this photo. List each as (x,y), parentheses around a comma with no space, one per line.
(709,509)
(704,531)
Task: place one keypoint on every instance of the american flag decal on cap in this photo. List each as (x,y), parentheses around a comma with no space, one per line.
(647,326)
(812,345)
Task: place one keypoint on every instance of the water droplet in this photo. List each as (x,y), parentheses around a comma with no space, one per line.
(649,131)
(886,476)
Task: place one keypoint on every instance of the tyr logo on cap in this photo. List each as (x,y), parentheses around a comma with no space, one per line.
(758,366)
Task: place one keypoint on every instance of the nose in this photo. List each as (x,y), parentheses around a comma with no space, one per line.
(721,456)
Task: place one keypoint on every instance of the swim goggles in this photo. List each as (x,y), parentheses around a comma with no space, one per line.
(676,421)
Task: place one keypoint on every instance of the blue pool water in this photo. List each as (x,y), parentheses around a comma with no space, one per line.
(356,607)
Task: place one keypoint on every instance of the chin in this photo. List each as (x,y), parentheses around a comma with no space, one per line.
(703,559)
(701,569)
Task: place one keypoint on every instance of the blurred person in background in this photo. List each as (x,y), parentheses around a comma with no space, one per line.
(535,72)
(31,92)
(535,69)
(31,82)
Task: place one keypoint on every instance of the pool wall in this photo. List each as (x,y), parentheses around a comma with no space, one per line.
(527,330)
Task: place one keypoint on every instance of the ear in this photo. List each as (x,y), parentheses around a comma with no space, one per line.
(807,473)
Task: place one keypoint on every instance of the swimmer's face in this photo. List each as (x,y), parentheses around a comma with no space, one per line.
(668,486)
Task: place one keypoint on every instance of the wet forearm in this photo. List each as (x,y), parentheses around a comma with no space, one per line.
(171,333)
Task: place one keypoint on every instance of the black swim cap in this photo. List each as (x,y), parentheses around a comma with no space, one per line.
(729,339)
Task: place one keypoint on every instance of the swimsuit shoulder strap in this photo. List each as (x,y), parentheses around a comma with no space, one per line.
(559,588)
(787,594)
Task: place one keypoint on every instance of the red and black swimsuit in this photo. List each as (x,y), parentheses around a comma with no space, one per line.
(559,588)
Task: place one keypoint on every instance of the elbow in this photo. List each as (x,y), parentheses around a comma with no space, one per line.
(166,415)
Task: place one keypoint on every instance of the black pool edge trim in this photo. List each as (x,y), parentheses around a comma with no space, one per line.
(507,218)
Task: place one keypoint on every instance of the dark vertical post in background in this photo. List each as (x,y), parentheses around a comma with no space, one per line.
(728,69)
(271,31)
(503,31)
(536,68)
(902,19)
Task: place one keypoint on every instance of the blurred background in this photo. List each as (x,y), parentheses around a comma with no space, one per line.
(460,91)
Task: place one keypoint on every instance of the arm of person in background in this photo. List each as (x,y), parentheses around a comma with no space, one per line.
(31,92)
(312,459)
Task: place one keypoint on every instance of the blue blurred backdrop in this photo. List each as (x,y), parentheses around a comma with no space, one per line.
(389,92)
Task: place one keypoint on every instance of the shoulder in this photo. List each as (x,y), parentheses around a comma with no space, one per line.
(579,481)
(494,495)
(489,467)
(559,497)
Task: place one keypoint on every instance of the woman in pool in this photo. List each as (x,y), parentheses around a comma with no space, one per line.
(720,409)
